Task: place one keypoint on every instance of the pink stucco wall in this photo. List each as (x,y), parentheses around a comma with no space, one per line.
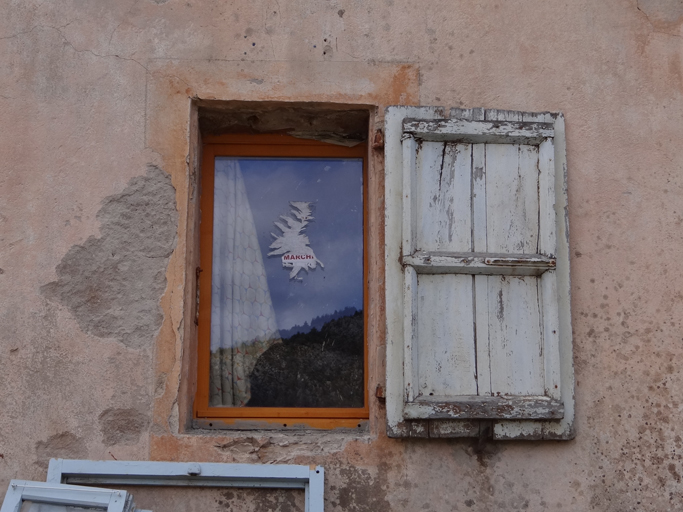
(93,93)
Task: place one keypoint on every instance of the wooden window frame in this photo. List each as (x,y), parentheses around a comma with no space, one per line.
(266,145)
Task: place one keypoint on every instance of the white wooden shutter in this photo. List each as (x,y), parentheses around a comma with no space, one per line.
(477,274)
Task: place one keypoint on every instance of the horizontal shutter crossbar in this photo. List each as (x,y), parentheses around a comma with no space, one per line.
(485,407)
(479,263)
(475,132)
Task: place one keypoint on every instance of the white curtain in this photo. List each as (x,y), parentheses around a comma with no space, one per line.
(243,323)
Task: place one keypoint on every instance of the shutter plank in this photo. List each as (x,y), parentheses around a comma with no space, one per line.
(481,296)
(409,194)
(459,130)
(514,336)
(479,198)
(445,330)
(563,429)
(492,407)
(394,272)
(511,198)
(551,337)
(546,198)
(444,197)
(528,429)
(410,319)
(482,340)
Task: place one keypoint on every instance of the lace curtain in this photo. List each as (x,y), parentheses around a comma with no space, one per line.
(243,323)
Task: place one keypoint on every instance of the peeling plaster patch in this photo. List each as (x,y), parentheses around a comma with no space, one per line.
(60,446)
(112,284)
(122,426)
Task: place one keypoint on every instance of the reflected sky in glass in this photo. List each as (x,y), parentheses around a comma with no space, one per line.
(334,187)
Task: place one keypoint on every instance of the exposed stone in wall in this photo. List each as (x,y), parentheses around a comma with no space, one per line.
(122,426)
(112,284)
(65,445)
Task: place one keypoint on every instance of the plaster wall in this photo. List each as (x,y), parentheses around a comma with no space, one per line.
(96,120)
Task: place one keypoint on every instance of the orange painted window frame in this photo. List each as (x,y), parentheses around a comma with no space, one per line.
(267,145)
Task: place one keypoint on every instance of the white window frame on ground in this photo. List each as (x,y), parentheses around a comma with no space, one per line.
(271,476)
(49,493)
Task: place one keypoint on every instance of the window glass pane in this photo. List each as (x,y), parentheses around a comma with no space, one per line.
(29,506)
(287,283)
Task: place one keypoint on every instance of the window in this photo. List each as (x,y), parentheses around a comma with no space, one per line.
(477,275)
(281,317)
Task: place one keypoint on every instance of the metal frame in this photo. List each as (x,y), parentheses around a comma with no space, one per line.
(192,474)
(67,495)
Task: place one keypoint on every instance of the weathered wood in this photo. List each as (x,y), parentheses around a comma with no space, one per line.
(467,114)
(563,429)
(511,198)
(515,210)
(449,428)
(528,427)
(409,202)
(410,333)
(472,132)
(394,273)
(546,199)
(477,407)
(515,341)
(445,333)
(481,332)
(479,263)
(479,244)
(551,336)
(520,430)
(494,114)
(443,197)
